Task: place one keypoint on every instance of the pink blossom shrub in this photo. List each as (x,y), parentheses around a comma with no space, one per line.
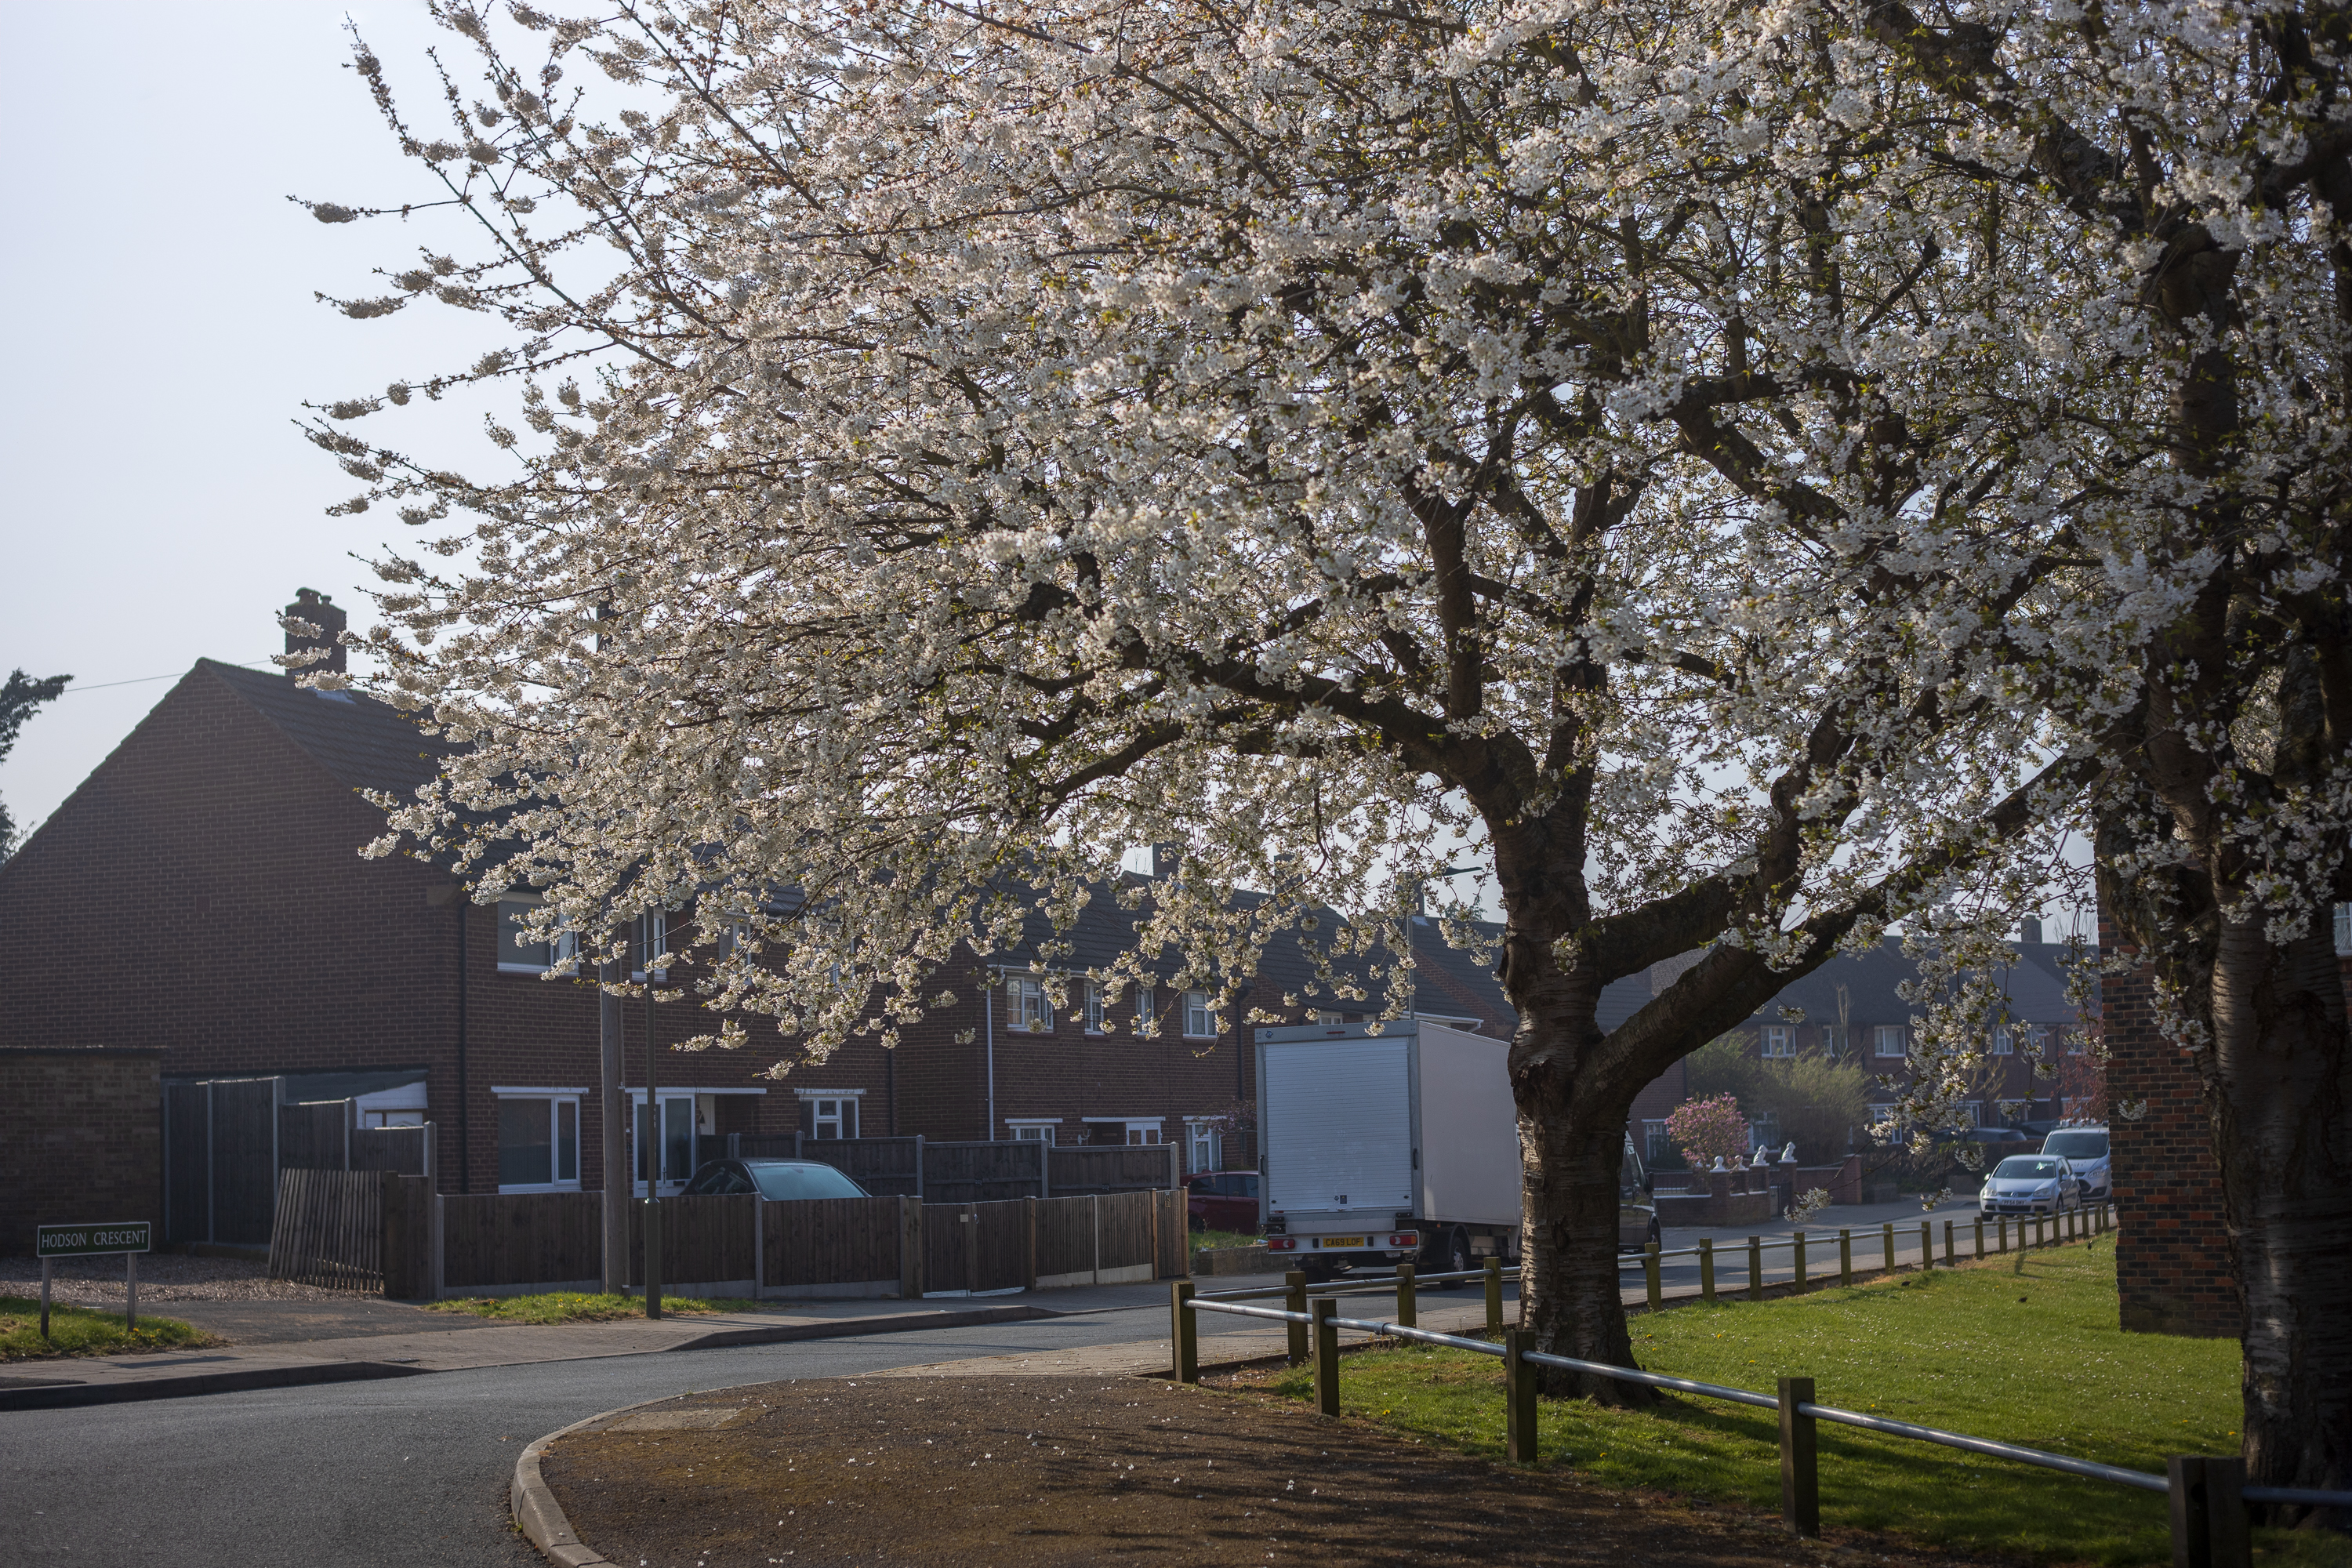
(1705,1129)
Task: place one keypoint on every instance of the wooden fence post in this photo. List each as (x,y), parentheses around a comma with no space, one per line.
(1801,1480)
(1406,1311)
(1495,1295)
(1886,1246)
(1707,1269)
(1294,1284)
(1094,1211)
(1029,1242)
(910,1248)
(759,1238)
(2000,1234)
(1949,1259)
(2209,1511)
(1756,1268)
(1183,1331)
(1327,1356)
(1650,1275)
(1980,1235)
(971,1248)
(1519,1399)
(1845,1255)
(1797,1258)
(1927,1245)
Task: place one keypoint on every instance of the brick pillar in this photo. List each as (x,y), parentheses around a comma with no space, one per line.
(2172,1259)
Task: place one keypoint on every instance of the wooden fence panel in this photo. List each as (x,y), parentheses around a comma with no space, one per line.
(522,1238)
(400,1149)
(886,1167)
(1000,1245)
(1089,1168)
(983,1172)
(328,1229)
(1127,1239)
(948,1242)
(832,1241)
(765,1145)
(311,1135)
(704,1240)
(187,1163)
(1066,1238)
(407,1247)
(245,1139)
(1175,1235)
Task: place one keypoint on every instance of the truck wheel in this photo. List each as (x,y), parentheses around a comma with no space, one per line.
(1454,1258)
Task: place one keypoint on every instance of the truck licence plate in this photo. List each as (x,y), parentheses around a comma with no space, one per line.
(1348,1241)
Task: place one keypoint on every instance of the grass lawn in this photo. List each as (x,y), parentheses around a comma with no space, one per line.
(2035,1358)
(581,1306)
(84,1330)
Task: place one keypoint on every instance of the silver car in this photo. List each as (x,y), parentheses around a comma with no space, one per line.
(2030,1183)
(2085,1149)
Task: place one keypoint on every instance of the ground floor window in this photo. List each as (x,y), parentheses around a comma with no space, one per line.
(392,1119)
(538,1143)
(1133,1129)
(1032,1131)
(1203,1148)
(1655,1144)
(828,1113)
(675,1144)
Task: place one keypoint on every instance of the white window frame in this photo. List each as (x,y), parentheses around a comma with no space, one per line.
(565,946)
(1779,1040)
(1204,1145)
(2075,1042)
(2004,1041)
(1200,1017)
(2344,930)
(1028,1009)
(660,944)
(1142,1131)
(1884,1034)
(818,1098)
(556,1101)
(1832,1040)
(2037,1038)
(1146,999)
(1034,1128)
(1094,1011)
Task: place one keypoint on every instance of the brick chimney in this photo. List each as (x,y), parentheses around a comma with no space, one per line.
(311,605)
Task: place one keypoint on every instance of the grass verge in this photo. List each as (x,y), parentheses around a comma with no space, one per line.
(583,1307)
(86,1331)
(1205,1238)
(2033,1358)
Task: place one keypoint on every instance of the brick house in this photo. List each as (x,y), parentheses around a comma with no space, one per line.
(201,894)
(1850,1009)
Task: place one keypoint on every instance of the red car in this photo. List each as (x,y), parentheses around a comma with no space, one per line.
(1224,1200)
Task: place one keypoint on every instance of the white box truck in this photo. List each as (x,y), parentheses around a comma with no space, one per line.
(1381,1143)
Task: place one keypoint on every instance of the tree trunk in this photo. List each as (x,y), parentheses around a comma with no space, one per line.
(1571,1143)
(2279,1089)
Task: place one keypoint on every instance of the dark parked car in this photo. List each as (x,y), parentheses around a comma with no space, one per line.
(780,1181)
(1223,1200)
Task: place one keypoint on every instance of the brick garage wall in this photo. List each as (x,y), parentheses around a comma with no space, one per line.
(2172,1261)
(81,1139)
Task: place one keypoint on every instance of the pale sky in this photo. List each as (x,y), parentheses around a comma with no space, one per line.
(160,505)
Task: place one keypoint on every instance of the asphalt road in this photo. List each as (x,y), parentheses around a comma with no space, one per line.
(411,1472)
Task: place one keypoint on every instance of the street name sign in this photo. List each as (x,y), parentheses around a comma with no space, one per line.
(93,1240)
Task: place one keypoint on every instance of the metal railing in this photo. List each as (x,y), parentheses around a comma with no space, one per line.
(2207,1493)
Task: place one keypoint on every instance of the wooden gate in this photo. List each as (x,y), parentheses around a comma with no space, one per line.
(328,1229)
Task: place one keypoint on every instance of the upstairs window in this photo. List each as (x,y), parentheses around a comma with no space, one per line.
(1890,1039)
(661,946)
(1094,1007)
(2004,1044)
(1779,1040)
(1027,1006)
(519,951)
(1145,1010)
(1833,1041)
(1199,1018)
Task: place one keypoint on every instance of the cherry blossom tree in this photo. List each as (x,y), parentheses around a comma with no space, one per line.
(957,446)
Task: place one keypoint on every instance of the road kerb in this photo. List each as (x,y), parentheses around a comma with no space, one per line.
(537,1513)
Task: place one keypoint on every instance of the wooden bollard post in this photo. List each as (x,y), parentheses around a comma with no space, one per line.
(1294,1284)
(1327,1356)
(1979,1237)
(2209,1511)
(1185,1331)
(1406,1303)
(1797,1258)
(2000,1234)
(1519,1399)
(1927,1245)
(1494,1295)
(1886,1246)
(1948,1258)
(1845,1255)
(1756,1268)
(1650,1275)
(1801,1477)
(1707,1269)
